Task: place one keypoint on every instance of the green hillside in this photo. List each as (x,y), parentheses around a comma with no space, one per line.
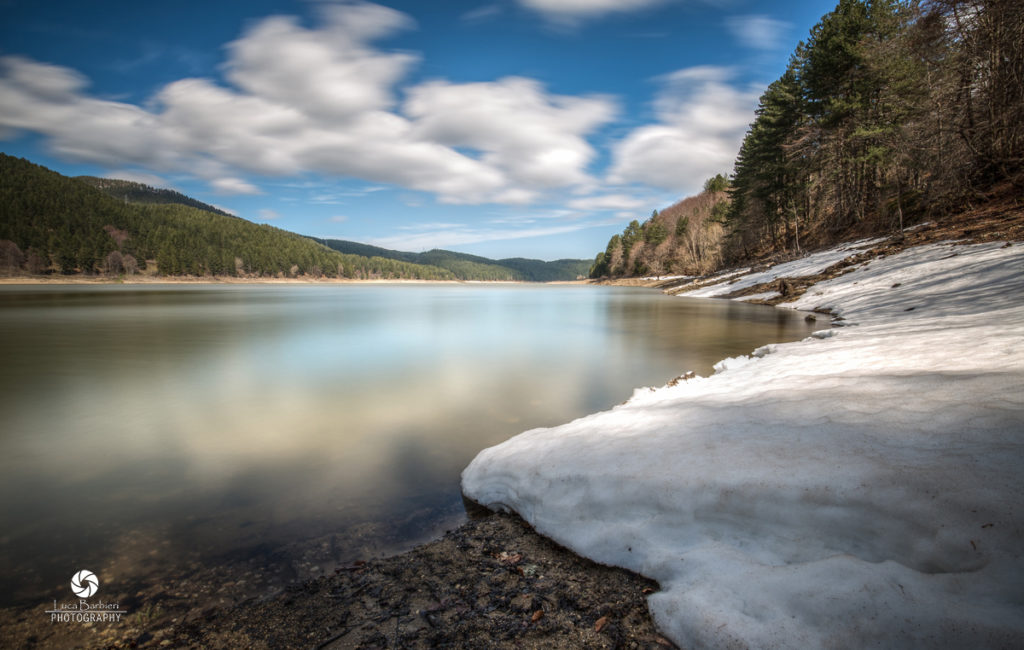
(52,223)
(469,267)
(473,267)
(539,271)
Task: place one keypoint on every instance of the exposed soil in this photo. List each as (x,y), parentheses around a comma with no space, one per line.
(996,221)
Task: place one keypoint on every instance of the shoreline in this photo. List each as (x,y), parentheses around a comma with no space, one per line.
(77,280)
(215,280)
(926,422)
(420,598)
(491,582)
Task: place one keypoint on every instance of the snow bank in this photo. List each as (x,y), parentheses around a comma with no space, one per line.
(864,487)
(810,265)
(767,295)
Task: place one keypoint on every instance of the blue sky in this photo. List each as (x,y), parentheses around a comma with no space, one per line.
(532,128)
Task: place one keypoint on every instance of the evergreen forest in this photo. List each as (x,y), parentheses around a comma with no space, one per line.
(50,223)
(890,113)
(472,267)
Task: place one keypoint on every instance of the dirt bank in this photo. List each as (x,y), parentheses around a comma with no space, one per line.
(490,583)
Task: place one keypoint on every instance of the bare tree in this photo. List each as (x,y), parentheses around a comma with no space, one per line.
(131,265)
(11,257)
(119,236)
(34,263)
(114,262)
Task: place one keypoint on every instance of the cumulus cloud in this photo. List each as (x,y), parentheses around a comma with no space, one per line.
(48,99)
(245,131)
(701,122)
(320,100)
(331,72)
(759,32)
(42,80)
(537,138)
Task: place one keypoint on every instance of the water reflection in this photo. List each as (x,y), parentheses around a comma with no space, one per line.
(219,422)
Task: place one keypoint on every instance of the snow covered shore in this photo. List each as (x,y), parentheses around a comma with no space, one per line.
(864,487)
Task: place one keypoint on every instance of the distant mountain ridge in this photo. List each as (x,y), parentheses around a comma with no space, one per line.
(473,267)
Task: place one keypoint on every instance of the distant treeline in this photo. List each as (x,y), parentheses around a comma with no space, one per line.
(472,267)
(890,112)
(130,191)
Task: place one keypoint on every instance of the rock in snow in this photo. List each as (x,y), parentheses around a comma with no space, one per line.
(854,490)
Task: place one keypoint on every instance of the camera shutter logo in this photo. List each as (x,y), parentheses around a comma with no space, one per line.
(85,584)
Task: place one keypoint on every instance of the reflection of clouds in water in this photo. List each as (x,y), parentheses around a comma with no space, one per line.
(335,433)
(283,404)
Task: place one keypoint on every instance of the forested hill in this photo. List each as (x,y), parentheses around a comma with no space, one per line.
(473,267)
(538,271)
(50,223)
(130,191)
(890,113)
(685,238)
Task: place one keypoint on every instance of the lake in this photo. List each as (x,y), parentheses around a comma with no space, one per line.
(164,436)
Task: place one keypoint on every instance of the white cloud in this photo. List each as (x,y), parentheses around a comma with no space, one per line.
(536,138)
(238,130)
(43,80)
(234,186)
(446,235)
(330,72)
(330,196)
(535,215)
(607,202)
(338,218)
(48,99)
(701,123)
(759,32)
(571,11)
(320,100)
(269,215)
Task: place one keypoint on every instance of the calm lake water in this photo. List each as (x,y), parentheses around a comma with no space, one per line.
(149,432)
